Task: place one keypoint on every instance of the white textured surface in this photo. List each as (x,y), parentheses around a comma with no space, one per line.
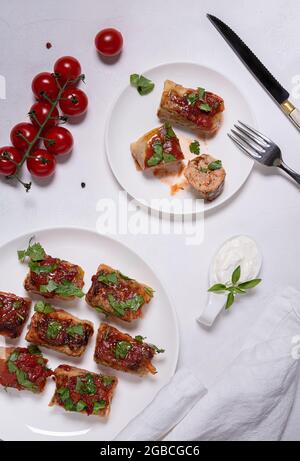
(155,32)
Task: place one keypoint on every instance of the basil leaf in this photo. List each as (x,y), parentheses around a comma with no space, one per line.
(24,381)
(37,269)
(139,338)
(157,157)
(217,287)
(99,406)
(34,350)
(49,288)
(216,165)
(81,405)
(249,284)
(35,252)
(53,329)
(192,98)
(201,93)
(75,330)
(65,288)
(141,83)
(170,133)
(205,107)
(108,278)
(12,368)
(107,380)
(230,300)
(122,349)
(236,274)
(195,147)
(44,308)
(120,306)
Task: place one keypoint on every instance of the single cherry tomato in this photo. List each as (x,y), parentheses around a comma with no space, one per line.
(40,111)
(67,68)
(45,83)
(41,163)
(73,101)
(22,134)
(109,42)
(9,158)
(58,140)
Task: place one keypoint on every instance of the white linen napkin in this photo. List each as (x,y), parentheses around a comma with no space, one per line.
(252,399)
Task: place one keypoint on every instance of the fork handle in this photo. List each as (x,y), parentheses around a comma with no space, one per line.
(290,172)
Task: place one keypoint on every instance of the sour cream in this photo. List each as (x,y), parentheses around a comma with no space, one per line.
(237,251)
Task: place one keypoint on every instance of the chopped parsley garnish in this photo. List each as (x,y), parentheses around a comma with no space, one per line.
(201,93)
(65,288)
(168,157)
(21,376)
(81,405)
(141,83)
(170,133)
(33,349)
(86,385)
(74,330)
(157,157)
(34,251)
(119,307)
(192,98)
(149,291)
(205,107)
(99,406)
(16,304)
(41,269)
(195,147)
(157,349)
(101,310)
(64,394)
(53,329)
(140,338)
(122,349)
(216,165)
(108,278)
(107,380)
(43,307)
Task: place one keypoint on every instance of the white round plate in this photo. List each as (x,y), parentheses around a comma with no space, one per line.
(25,416)
(133,115)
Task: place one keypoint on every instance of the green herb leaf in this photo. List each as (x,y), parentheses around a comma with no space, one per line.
(107,380)
(217,288)
(168,157)
(53,329)
(230,300)
(141,83)
(216,165)
(64,394)
(75,330)
(149,291)
(125,277)
(44,308)
(122,349)
(236,274)
(49,288)
(205,107)
(140,338)
(65,288)
(195,147)
(170,133)
(249,284)
(203,170)
(192,98)
(120,306)
(38,269)
(13,356)
(201,93)
(101,310)
(35,252)
(157,157)
(33,349)
(12,368)
(81,405)
(157,349)
(99,406)
(108,278)
(86,385)
(24,381)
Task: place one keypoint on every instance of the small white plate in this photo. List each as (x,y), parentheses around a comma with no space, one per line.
(25,416)
(133,115)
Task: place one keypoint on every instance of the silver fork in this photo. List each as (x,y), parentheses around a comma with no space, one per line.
(260,148)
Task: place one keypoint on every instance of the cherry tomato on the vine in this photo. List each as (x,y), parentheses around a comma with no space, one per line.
(9,158)
(58,140)
(45,83)
(40,111)
(67,68)
(22,134)
(73,102)
(41,163)
(109,42)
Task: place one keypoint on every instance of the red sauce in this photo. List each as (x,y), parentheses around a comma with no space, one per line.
(63,271)
(170,145)
(13,314)
(137,358)
(193,112)
(122,290)
(36,372)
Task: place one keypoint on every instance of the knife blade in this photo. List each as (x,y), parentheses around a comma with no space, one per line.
(257,68)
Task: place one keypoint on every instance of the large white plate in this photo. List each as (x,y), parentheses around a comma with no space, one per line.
(133,115)
(25,416)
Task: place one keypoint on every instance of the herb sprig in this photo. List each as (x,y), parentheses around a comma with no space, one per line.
(141,83)
(233,287)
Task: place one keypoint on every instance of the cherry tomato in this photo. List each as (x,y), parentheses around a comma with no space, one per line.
(40,111)
(9,156)
(67,68)
(74,101)
(109,42)
(41,163)
(45,83)
(58,140)
(22,134)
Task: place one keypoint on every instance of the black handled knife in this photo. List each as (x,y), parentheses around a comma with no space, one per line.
(257,68)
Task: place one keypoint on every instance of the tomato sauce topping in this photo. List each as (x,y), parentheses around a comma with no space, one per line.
(61,271)
(13,313)
(170,145)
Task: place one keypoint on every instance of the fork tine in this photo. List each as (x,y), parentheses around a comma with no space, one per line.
(249,143)
(260,135)
(242,147)
(253,137)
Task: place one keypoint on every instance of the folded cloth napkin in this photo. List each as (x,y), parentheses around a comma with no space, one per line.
(253,397)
